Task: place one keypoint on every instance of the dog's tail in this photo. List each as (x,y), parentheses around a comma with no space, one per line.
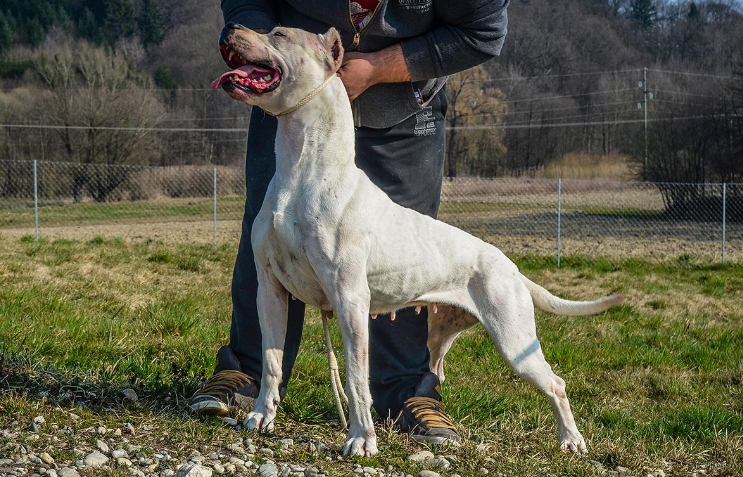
(547,301)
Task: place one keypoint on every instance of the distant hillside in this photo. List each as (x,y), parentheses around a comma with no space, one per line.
(570,80)
(24,23)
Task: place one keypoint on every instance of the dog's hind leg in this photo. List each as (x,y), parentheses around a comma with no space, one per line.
(273,309)
(513,330)
(444,327)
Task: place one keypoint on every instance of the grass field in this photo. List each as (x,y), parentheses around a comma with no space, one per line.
(656,384)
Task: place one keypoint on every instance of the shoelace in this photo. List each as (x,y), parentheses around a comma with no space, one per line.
(225,382)
(429,412)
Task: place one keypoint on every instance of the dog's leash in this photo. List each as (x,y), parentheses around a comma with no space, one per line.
(335,377)
(306,99)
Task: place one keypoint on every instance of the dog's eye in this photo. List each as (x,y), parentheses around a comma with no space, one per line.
(278,33)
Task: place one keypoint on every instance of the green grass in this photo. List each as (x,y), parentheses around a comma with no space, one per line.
(656,383)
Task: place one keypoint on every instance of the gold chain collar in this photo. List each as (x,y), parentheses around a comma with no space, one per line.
(307,98)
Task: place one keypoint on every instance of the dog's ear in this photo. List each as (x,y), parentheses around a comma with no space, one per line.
(333,48)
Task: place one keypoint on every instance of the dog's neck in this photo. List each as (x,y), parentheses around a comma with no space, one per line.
(322,128)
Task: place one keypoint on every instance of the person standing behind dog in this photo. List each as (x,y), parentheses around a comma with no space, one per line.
(398,55)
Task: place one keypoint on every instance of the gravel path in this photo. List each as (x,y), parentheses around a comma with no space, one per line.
(42,449)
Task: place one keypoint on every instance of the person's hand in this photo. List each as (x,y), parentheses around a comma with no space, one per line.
(358,73)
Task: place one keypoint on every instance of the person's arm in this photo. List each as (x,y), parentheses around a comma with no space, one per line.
(257,15)
(472,33)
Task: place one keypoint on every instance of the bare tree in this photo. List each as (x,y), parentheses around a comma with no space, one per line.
(104,108)
(474,146)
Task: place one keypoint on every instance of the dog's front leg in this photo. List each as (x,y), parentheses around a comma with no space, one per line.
(273,312)
(353,319)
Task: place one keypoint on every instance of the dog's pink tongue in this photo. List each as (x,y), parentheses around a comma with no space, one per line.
(248,71)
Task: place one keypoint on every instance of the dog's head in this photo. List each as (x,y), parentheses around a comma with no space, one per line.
(276,70)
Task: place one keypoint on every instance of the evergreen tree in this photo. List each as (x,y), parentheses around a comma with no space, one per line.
(120,20)
(89,28)
(694,13)
(6,33)
(151,30)
(643,13)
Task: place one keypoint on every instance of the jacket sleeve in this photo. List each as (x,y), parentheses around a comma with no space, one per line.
(254,14)
(471,32)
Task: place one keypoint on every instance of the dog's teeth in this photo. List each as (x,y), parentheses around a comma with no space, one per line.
(267,78)
(231,54)
(418,310)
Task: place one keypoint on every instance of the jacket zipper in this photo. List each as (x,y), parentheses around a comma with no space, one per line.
(357,35)
(354,45)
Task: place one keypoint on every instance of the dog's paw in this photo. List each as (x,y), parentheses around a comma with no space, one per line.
(573,444)
(258,422)
(360,446)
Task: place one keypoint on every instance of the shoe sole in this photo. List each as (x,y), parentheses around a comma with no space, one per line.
(438,440)
(210,408)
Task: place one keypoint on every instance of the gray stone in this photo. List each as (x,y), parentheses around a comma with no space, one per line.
(130,395)
(95,459)
(228,421)
(102,446)
(421,456)
(46,458)
(268,470)
(428,473)
(437,463)
(67,472)
(123,462)
(194,470)
(236,448)
(119,453)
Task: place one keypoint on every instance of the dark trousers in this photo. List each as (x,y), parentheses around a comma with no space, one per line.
(406,161)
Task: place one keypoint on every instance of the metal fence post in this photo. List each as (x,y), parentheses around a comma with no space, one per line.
(724,193)
(215,209)
(559,221)
(36,202)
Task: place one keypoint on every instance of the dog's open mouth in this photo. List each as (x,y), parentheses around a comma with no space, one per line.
(255,77)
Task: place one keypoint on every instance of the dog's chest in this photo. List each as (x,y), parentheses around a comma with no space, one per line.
(285,243)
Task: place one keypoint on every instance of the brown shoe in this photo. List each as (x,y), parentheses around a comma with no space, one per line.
(424,415)
(226,390)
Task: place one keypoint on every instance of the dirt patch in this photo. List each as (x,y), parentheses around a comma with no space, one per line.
(228,231)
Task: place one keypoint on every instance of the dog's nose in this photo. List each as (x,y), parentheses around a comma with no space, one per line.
(229,28)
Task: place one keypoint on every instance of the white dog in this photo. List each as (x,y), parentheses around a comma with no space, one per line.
(328,236)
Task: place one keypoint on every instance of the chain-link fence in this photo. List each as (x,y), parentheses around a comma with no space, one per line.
(521,216)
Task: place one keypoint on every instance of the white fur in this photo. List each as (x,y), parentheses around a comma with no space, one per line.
(328,236)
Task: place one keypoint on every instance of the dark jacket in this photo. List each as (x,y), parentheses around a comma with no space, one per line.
(438,38)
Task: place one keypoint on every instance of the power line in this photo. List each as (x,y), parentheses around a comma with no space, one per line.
(578,124)
(594,93)
(566,75)
(688,73)
(614,103)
